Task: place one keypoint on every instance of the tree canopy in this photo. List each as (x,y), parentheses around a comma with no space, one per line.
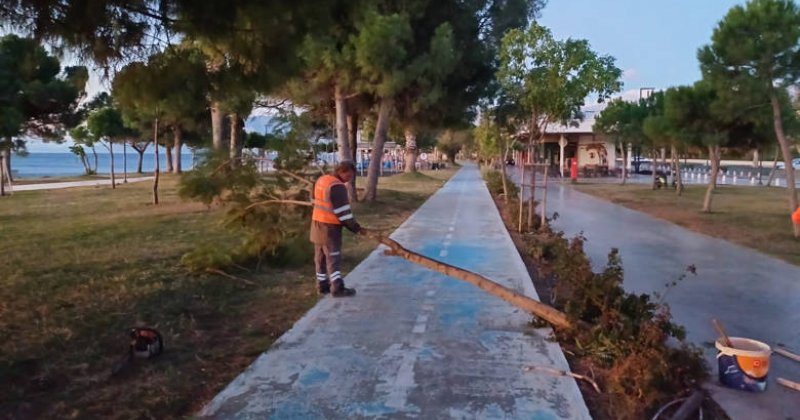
(551,79)
(36,97)
(756,48)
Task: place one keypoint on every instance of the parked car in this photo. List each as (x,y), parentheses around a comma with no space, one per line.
(795,164)
(510,162)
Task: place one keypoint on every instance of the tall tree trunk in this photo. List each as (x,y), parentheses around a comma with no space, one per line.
(774,168)
(168,156)
(411,150)
(714,156)
(235,151)
(140,151)
(625,163)
(503,176)
(125,162)
(352,130)
(655,175)
(7,165)
(113,175)
(177,136)
(94,152)
(381,127)
(139,160)
(676,166)
(2,174)
(531,196)
(157,169)
(451,157)
(342,139)
(787,158)
(217,120)
(87,168)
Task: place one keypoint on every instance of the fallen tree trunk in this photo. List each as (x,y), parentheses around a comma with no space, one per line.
(555,317)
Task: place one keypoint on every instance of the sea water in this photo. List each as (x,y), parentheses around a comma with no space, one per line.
(42,165)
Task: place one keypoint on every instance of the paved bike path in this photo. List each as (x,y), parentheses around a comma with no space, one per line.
(414,343)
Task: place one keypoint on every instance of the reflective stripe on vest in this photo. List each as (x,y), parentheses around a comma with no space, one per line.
(323,208)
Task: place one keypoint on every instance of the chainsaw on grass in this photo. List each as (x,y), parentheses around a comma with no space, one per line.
(145,343)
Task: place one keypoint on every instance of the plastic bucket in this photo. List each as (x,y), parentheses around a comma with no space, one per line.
(744,367)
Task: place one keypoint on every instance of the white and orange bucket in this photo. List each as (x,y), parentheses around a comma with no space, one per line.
(745,365)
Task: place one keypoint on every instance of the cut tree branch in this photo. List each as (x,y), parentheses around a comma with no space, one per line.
(555,317)
(297,177)
(230,276)
(558,372)
(789,384)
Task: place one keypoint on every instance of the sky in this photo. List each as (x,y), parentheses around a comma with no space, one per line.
(655,42)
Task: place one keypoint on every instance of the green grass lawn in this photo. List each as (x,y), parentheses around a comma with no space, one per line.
(755,217)
(81,266)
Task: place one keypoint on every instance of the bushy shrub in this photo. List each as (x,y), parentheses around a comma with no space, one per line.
(638,353)
(266,211)
(627,341)
(494,182)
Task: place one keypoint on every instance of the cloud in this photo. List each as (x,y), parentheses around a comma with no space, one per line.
(630,74)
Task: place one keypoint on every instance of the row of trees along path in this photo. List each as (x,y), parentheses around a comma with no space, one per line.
(416,69)
(742,101)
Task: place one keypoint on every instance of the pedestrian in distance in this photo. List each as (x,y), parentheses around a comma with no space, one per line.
(331,213)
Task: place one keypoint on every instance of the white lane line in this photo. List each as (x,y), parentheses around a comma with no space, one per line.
(449,236)
(428,307)
(430,293)
(443,253)
(451,228)
(403,381)
(447,243)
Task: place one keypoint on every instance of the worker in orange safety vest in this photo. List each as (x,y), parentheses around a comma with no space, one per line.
(331,212)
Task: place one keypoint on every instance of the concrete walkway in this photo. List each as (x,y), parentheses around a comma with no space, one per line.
(73,184)
(414,343)
(752,294)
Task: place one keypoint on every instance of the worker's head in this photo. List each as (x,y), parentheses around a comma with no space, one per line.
(345,170)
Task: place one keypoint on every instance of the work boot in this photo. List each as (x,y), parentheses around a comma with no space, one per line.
(323,287)
(338,290)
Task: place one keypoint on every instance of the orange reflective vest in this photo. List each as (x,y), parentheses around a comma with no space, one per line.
(796,216)
(323,208)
